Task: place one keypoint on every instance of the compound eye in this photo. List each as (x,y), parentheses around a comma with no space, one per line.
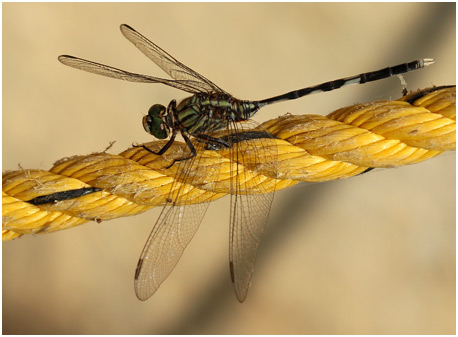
(147,121)
(157,110)
(155,122)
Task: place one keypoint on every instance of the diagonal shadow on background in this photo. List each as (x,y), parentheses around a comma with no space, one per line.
(215,299)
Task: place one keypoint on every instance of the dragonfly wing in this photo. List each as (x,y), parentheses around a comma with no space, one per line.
(251,198)
(167,62)
(104,70)
(173,231)
(179,219)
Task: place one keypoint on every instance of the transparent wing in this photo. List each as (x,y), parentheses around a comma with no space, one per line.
(179,220)
(167,62)
(251,198)
(252,194)
(173,231)
(104,70)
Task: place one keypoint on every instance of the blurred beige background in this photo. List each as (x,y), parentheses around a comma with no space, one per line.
(374,254)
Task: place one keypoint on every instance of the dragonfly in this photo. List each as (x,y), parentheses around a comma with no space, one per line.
(210,119)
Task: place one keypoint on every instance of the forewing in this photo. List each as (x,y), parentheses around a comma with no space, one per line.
(178,221)
(171,234)
(251,198)
(167,62)
(104,70)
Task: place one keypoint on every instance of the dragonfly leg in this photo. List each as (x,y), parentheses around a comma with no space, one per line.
(161,151)
(190,146)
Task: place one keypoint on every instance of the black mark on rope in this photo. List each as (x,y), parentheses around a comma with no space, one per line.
(367,170)
(63,195)
(426,92)
(239,137)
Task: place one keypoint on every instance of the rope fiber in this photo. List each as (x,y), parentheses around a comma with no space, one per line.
(314,148)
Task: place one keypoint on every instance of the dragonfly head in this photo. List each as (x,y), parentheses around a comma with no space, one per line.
(155,122)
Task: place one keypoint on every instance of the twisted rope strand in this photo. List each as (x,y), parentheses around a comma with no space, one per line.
(312,148)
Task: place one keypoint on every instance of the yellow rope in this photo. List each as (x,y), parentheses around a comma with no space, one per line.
(314,148)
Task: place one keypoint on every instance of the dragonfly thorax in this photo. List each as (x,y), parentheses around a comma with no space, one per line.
(210,112)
